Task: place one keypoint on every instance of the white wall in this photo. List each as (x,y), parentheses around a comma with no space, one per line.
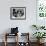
(24,25)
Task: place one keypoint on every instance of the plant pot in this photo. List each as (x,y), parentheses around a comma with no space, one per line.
(40,41)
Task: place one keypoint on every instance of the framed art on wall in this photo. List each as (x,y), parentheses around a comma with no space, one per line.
(18,13)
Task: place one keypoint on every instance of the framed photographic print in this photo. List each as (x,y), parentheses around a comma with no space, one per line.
(18,13)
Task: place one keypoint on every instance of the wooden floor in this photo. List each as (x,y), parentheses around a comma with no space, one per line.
(13,44)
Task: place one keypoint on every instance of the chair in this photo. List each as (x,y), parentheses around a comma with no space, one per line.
(14,32)
(7,35)
(25,37)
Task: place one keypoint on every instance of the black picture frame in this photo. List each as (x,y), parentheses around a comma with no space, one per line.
(17,13)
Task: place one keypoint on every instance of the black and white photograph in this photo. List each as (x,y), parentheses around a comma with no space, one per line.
(18,13)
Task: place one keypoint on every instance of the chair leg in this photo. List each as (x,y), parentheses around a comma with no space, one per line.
(5,40)
(5,43)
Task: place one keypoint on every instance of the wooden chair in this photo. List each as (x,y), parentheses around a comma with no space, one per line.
(25,36)
(8,34)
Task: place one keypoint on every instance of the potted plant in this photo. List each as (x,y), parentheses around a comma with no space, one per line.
(39,35)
